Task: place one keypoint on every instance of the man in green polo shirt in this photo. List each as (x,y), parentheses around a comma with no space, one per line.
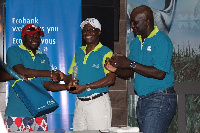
(150,62)
(93,108)
(29,62)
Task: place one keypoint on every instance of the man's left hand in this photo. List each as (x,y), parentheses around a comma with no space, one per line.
(120,61)
(55,76)
(79,89)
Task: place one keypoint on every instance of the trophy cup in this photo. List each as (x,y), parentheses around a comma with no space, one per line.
(74,77)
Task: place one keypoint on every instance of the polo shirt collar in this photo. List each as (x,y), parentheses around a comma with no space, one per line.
(30,52)
(84,50)
(153,33)
(95,49)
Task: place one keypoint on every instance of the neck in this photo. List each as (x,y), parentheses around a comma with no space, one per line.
(34,52)
(148,32)
(90,47)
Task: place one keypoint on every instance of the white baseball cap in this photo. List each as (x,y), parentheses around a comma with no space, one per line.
(93,21)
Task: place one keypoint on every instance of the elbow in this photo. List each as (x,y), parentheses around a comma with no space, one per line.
(111,81)
(161,76)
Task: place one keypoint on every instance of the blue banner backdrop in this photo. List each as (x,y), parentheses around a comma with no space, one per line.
(60,22)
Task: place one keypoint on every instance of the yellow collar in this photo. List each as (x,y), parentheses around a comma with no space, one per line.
(153,33)
(30,52)
(95,49)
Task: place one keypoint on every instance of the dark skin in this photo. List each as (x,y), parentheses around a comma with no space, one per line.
(4,76)
(91,36)
(141,23)
(32,42)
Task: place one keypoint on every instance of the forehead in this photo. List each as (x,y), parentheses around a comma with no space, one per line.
(137,16)
(87,26)
(35,34)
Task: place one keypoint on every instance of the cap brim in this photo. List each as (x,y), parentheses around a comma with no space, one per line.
(33,32)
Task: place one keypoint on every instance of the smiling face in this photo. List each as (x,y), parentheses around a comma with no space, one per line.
(91,34)
(32,42)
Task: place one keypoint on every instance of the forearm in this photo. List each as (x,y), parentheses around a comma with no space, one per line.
(126,68)
(4,76)
(29,73)
(149,71)
(107,81)
(51,86)
(124,73)
(37,73)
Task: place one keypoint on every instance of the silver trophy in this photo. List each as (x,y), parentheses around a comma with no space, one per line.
(74,77)
(75,73)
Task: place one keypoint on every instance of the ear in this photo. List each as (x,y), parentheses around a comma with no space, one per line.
(23,38)
(99,32)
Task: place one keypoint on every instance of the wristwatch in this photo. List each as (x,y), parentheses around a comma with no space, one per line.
(88,88)
(133,64)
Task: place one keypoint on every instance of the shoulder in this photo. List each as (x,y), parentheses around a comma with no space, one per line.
(105,49)
(79,50)
(163,40)
(162,35)
(14,49)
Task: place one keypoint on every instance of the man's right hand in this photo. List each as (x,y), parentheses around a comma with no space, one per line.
(108,66)
(55,76)
(120,61)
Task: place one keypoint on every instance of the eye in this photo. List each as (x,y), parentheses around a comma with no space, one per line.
(88,30)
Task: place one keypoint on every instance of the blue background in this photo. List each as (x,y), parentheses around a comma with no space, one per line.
(60,44)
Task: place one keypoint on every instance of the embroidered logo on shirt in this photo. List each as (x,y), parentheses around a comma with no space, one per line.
(96,66)
(42,61)
(149,48)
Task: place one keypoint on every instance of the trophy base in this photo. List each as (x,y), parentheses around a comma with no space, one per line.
(72,88)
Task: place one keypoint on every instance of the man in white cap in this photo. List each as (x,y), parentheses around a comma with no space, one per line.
(93,108)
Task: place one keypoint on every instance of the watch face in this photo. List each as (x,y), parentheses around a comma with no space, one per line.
(88,88)
(133,65)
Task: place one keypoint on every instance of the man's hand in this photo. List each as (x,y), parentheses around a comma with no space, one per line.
(70,84)
(62,75)
(55,76)
(108,66)
(24,77)
(79,89)
(120,61)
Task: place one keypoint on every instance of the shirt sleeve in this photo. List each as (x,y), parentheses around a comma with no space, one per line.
(109,55)
(163,54)
(13,56)
(72,65)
